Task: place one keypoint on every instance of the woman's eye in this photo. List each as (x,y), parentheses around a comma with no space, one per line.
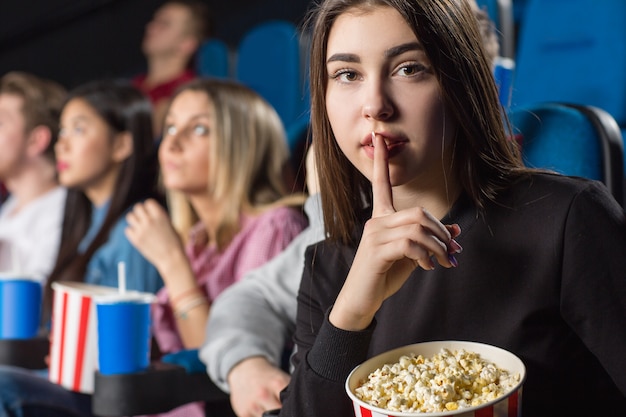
(409,70)
(349,76)
(169,130)
(345,75)
(200,130)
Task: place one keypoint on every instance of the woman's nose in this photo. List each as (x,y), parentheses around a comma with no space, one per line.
(377,102)
(171,141)
(60,145)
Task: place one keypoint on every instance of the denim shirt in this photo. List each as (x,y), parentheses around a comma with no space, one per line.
(141,275)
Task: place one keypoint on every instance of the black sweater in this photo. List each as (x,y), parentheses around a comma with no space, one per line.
(542,274)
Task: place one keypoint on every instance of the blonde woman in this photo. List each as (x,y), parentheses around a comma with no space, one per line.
(222,158)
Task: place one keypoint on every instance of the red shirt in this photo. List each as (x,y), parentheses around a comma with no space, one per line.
(164,90)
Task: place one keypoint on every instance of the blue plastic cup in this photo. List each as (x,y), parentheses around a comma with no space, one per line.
(20,307)
(123,333)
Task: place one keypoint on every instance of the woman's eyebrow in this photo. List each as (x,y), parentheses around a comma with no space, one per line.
(203,115)
(79,118)
(343,57)
(400,49)
(389,53)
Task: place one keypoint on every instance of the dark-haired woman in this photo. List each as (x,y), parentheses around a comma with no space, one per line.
(106,159)
(414,163)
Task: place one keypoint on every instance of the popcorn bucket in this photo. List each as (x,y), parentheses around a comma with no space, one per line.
(507,405)
(74,344)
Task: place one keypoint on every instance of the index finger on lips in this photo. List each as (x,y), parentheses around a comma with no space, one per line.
(381,185)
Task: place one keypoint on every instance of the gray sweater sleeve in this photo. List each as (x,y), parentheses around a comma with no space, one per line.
(256,316)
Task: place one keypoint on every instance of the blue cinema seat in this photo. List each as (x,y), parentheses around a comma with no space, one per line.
(213,59)
(572,139)
(573,51)
(269,60)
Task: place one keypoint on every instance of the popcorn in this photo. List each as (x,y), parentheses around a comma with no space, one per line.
(450,380)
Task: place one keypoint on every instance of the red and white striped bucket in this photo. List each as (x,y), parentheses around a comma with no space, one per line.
(508,405)
(74,343)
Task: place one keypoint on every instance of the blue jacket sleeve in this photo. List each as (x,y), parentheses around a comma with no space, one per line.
(141,275)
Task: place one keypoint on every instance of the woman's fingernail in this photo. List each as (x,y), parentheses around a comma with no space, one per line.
(453,261)
(455,247)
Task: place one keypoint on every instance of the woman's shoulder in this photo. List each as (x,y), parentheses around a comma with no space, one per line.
(543,188)
(550,178)
(281,215)
(273,224)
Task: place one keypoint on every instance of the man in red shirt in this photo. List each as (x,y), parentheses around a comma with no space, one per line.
(170,42)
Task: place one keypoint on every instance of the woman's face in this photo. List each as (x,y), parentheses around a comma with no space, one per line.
(86,153)
(380,79)
(184,151)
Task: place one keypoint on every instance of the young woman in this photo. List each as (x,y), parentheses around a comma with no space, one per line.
(436,230)
(223,158)
(105,157)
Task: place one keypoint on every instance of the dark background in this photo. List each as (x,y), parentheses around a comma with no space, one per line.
(74,41)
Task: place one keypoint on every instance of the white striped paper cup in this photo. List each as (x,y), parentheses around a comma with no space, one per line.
(74,344)
(508,405)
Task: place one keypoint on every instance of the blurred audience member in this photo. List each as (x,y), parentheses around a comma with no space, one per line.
(170,43)
(222,157)
(30,219)
(105,156)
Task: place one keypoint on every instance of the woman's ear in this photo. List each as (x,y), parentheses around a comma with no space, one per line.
(122,146)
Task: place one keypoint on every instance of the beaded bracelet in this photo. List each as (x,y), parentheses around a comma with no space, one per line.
(183,295)
(181,312)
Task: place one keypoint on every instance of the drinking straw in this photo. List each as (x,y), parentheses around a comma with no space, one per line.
(121,277)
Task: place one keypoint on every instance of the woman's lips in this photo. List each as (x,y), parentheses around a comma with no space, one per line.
(62,166)
(394,144)
(169,166)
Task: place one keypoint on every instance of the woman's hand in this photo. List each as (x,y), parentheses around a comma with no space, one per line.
(392,246)
(151,232)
